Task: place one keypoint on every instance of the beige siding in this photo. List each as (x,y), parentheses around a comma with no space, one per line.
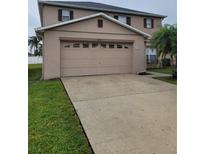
(138,22)
(91,26)
(52,58)
(50,16)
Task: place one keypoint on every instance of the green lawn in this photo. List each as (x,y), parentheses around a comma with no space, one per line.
(166,70)
(53,124)
(167,79)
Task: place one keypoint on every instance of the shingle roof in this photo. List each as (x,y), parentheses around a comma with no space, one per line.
(100,7)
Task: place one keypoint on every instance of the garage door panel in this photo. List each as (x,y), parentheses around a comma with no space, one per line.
(114,69)
(78,71)
(74,54)
(93,63)
(99,60)
(79,63)
(95,54)
(95,71)
(115,55)
(114,62)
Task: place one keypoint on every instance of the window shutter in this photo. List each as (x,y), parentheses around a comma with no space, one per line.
(152,20)
(59,15)
(145,23)
(100,23)
(116,17)
(71,15)
(128,20)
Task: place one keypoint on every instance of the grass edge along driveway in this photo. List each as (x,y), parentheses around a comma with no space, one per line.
(53,125)
(166,79)
(165,70)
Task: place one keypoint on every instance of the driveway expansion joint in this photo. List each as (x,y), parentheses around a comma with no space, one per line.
(125,95)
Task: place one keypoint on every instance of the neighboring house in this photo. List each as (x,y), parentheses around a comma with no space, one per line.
(151,55)
(87,38)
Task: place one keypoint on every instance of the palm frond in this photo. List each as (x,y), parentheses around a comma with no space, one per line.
(164,41)
(34,42)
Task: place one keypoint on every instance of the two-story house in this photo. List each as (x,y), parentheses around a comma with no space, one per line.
(87,38)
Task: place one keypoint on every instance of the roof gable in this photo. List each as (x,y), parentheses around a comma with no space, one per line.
(91,26)
(42,29)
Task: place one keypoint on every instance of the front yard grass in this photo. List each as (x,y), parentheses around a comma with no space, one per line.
(166,70)
(53,125)
(168,79)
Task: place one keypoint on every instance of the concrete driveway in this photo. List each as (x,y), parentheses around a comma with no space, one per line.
(125,114)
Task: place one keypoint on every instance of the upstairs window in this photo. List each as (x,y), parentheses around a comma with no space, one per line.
(148,23)
(123,19)
(65,15)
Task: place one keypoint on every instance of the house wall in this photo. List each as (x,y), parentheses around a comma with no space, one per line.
(89,31)
(50,16)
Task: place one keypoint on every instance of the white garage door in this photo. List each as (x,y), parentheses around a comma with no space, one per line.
(91,58)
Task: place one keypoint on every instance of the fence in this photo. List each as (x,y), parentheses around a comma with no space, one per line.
(35,60)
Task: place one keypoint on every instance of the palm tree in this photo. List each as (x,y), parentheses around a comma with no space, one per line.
(173,37)
(36,45)
(40,48)
(165,42)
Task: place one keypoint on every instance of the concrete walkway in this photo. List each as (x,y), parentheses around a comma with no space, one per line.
(125,114)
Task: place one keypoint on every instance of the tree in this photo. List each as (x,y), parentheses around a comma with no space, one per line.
(36,45)
(165,42)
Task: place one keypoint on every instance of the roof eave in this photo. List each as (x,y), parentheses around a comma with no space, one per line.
(108,10)
(42,29)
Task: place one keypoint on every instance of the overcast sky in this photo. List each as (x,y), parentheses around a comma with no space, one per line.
(164,7)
